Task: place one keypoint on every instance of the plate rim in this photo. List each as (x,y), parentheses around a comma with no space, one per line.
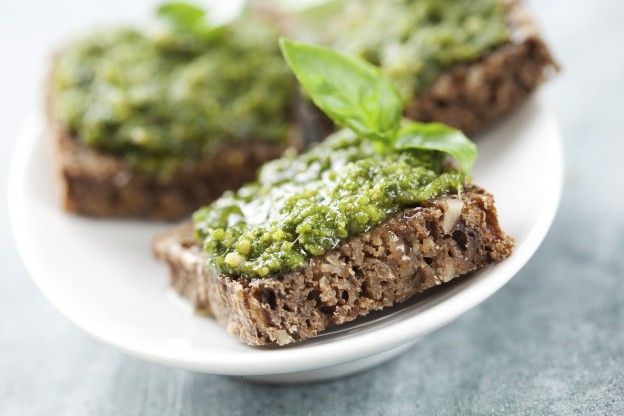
(288,360)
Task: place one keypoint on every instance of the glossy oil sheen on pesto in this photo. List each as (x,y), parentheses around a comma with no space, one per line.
(414,40)
(303,206)
(163,96)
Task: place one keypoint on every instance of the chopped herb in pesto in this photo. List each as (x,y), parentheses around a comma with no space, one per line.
(304,205)
(161,97)
(414,40)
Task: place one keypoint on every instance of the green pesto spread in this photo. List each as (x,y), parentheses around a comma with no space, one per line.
(304,205)
(413,41)
(164,96)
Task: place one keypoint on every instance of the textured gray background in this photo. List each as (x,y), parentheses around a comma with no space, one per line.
(550,342)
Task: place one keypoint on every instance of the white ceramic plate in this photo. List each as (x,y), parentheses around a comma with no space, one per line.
(101,274)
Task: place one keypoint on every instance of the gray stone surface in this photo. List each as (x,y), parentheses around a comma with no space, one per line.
(550,342)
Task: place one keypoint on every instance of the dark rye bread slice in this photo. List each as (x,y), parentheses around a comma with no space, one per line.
(471,96)
(414,250)
(100,184)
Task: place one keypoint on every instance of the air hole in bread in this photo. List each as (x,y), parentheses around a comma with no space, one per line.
(268,297)
(461,239)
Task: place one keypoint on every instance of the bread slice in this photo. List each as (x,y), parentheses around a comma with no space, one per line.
(100,184)
(416,249)
(471,96)
(468,96)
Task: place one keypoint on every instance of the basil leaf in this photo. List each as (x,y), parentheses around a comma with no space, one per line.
(181,14)
(440,137)
(352,92)
(186,17)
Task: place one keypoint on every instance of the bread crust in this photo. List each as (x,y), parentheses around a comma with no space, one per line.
(416,249)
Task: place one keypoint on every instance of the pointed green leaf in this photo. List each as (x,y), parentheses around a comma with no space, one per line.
(352,92)
(181,14)
(189,18)
(440,137)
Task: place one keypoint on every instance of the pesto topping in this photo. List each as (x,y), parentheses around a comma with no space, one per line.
(165,96)
(413,41)
(304,205)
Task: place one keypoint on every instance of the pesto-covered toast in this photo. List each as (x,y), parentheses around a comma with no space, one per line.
(414,250)
(381,210)
(465,63)
(155,122)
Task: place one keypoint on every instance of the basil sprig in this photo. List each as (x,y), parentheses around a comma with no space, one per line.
(189,18)
(358,96)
